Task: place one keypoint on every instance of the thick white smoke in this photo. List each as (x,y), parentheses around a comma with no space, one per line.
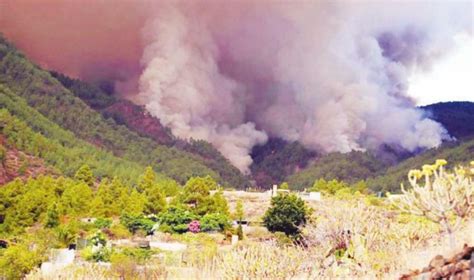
(332,75)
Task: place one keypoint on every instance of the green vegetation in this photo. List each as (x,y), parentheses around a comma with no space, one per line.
(28,130)
(457,153)
(93,95)
(57,205)
(59,105)
(277,159)
(350,168)
(286,214)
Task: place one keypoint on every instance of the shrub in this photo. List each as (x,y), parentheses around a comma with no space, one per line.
(98,239)
(52,216)
(3,153)
(214,222)
(119,231)
(177,219)
(102,223)
(286,214)
(67,234)
(123,266)
(97,254)
(194,226)
(16,261)
(136,222)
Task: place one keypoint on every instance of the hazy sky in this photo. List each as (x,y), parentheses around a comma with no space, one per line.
(450,79)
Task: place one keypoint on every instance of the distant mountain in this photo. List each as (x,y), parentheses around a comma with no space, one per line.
(383,169)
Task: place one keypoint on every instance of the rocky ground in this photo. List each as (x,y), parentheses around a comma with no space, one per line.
(459,266)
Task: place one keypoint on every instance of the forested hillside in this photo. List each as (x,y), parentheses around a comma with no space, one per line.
(277,159)
(45,94)
(386,174)
(27,130)
(68,122)
(456,153)
(138,120)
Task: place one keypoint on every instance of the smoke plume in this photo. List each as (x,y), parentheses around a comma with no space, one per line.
(333,75)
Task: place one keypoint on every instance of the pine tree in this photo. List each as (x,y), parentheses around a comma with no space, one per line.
(85,175)
(239,210)
(52,216)
(156,201)
(147,180)
(239,215)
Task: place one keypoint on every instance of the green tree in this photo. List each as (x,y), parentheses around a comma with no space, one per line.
(156,201)
(76,199)
(52,216)
(197,188)
(135,202)
(169,187)
(147,180)
(214,222)
(176,219)
(239,215)
(329,187)
(284,186)
(85,175)
(239,210)
(286,214)
(17,260)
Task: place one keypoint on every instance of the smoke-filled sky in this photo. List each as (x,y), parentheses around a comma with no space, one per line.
(331,74)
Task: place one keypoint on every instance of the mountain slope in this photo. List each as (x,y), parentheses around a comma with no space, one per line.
(138,120)
(18,164)
(385,173)
(58,104)
(456,153)
(25,129)
(277,159)
(350,167)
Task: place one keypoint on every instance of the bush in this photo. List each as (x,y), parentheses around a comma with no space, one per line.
(16,261)
(119,231)
(137,222)
(98,239)
(124,266)
(102,223)
(97,254)
(286,214)
(67,234)
(214,222)
(177,219)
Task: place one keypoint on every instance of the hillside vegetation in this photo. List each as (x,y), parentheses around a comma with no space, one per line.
(140,121)
(59,105)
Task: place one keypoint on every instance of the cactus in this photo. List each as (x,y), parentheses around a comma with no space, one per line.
(445,197)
